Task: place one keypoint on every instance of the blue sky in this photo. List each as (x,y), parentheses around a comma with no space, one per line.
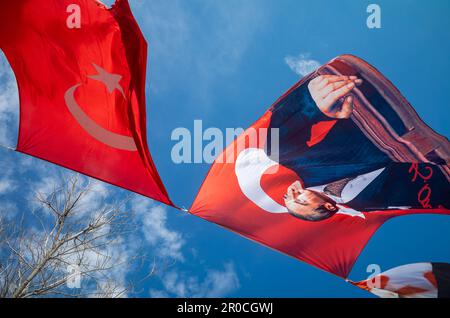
(225,62)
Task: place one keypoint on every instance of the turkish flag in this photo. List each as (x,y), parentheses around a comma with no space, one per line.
(80,68)
(363,164)
(418,280)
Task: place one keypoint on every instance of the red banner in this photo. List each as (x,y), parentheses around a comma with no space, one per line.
(346,163)
(80,69)
(418,280)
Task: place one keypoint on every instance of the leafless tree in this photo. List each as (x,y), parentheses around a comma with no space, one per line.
(70,245)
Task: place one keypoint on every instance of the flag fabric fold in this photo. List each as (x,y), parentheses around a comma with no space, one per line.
(81,68)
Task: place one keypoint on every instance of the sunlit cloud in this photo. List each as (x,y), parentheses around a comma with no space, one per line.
(302,64)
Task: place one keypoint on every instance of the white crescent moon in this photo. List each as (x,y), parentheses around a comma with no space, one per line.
(250,165)
(95,130)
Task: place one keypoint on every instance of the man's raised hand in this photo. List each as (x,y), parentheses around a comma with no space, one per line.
(327,90)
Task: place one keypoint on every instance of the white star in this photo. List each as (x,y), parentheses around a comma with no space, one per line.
(110,80)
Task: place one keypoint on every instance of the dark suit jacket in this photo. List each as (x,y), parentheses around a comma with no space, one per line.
(344,152)
(399,186)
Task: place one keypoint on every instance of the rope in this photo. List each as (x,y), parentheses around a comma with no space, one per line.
(7,147)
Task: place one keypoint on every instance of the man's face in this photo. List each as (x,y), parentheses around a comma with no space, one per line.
(303,203)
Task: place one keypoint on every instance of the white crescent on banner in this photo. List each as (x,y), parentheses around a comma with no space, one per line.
(249,169)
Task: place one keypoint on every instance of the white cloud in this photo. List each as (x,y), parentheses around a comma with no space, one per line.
(9,104)
(48,178)
(168,243)
(8,210)
(184,49)
(302,65)
(116,257)
(219,283)
(216,283)
(97,194)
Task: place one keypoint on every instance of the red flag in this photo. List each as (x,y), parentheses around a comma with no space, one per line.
(80,69)
(342,169)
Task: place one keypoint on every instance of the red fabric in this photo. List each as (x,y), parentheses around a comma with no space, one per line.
(431,278)
(332,245)
(68,114)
